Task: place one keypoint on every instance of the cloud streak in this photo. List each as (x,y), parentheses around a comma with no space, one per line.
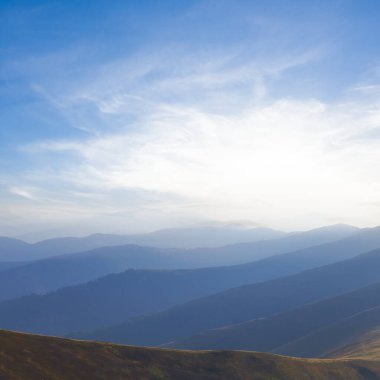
(181,133)
(216,147)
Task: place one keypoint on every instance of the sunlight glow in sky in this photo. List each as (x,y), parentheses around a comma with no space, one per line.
(122,116)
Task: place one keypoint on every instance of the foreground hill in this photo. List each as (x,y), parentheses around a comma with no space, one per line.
(35,357)
(364,346)
(245,303)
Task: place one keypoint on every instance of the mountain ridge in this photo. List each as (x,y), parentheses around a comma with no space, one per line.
(17,250)
(245,303)
(48,275)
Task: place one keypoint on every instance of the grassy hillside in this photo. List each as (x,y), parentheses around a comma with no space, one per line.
(365,346)
(37,357)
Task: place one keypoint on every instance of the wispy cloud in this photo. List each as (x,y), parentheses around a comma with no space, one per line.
(24,193)
(212,141)
(179,133)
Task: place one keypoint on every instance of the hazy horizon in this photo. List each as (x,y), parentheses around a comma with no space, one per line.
(37,236)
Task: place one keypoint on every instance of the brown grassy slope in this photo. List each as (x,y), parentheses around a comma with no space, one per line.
(24,356)
(366,347)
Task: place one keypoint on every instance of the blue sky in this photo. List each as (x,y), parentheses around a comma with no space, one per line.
(138,115)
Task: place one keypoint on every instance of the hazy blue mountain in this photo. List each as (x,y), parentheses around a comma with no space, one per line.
(336,337)
(10,247)
(6,265)
(108,300)
(243,304)
(13,249)
(310,330)
(320,329)
(114,299)
(204,236)
(47,275)
(246,252)
(170,238)
(262,242)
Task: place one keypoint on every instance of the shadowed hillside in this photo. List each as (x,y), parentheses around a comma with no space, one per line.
(34,357)
(310,331)
(244,303)
(356,335)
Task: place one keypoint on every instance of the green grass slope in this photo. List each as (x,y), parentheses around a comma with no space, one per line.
(34,357)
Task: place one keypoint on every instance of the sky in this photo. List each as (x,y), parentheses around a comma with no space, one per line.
(132,116)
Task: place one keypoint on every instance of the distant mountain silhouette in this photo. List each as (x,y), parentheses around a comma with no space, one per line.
(47,275)
(246,252)
(10,249)
(16,250)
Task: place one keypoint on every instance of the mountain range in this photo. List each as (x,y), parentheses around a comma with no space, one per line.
(244,303)
(47,275)
(17,250)
(312,330)
(115,298)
